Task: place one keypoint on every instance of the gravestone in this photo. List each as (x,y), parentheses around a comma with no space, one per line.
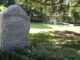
(14,28)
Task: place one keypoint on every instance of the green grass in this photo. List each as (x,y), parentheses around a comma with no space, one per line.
(56,45)
(55,37)
(45,26)
(39,26)
(48,46)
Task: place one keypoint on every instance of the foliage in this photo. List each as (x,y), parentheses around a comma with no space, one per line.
(68,19)
(7,2)
(1,2)
(2,8)
(46,6)
(76,16)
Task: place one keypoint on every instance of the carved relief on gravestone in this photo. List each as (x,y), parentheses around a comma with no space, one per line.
(14,28)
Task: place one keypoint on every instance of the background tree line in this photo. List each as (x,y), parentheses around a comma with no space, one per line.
(69,11)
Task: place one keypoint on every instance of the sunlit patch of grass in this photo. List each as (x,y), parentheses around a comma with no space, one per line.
(40,26)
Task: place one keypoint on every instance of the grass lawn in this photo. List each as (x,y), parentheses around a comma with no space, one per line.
(62,42)
(48,45)
(55,38)
(42,27)
(58,45)
(52,45)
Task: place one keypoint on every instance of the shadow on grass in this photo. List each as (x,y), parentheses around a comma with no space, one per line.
(39,26)
(58,45)
(58,38)
(41,53)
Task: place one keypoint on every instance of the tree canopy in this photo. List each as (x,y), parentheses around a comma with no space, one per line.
(48,7)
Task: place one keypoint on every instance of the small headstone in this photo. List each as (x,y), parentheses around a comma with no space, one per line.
(14,28)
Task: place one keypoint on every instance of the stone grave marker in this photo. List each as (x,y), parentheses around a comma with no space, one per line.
(14,28)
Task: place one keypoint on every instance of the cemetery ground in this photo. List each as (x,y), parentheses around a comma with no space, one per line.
(43,27)
(49,42)
(57,42)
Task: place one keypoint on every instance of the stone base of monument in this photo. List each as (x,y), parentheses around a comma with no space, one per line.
(14,28)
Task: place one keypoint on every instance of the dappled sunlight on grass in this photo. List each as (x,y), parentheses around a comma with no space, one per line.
(59,43)
(48,46)
(56,38)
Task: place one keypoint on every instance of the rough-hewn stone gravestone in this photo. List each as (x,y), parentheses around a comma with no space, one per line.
(14,28)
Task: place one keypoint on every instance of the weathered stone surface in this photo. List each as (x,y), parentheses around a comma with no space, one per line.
(14,28)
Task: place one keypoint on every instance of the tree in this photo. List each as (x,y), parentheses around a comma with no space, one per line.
(48,7)
(1,2)
(75,10)
(75,15)
(9,2)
